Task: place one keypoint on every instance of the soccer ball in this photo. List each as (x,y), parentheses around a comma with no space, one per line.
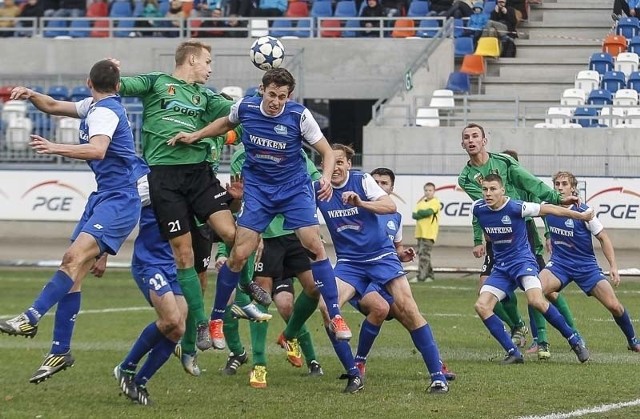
(267,53)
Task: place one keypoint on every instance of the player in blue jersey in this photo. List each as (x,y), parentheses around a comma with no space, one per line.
(503,221)
(367,261)
(276,181)
(111,213)
(573,259)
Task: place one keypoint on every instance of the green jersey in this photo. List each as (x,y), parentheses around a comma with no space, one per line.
(514,177)
(170,106)
(276,228)
(216,144)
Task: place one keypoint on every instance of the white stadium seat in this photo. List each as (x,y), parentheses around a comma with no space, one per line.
(428,117)
(236,92)
(573,97)
(626,62)
(14,109)
(587,80)
(558,115)
(68,131)
(18,132)
(442,99)
(625,97)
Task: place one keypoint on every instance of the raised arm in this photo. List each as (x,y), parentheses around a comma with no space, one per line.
(549,209)
(45,103)
(218,127)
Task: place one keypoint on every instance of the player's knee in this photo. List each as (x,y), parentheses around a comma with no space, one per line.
(539,303)
(616,309)
(171,326)
(482,309)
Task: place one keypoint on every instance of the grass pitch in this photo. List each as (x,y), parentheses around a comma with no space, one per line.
(114,313)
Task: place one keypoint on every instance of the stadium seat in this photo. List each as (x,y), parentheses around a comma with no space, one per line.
(614,45)
(428,28)
(346,8)
(251,91)
(488,46)
(138,8)
(587,80)
(458,28)
(418,8)
(259,27)
(611,117)
(5,93)
(303,28)
(427,117)
(473,65)
(633,81)
(459,82)
(41,122)
(79,92)
(236,92)
(634,44)
(627,62)
(297,9)
(573,97)
(18,132)
(351,27)
(570,125)
(585,116)
(281,27)
(558,115)
(100,29)
(80,28)
(545,125)
(68,131)
(321,9)
(625,97)
(489,7)
(58,92)
(628,27)
(13,109)
(601,62)
(403,28)
(633,117)
(613,80)
(330,28)
(55,27)
(462,46)
(442,99)
(600,97)
(122,9)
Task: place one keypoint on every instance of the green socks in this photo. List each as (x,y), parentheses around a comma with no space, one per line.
(306,345)
(259,339)
(190,285)
(302,310)
(563,307)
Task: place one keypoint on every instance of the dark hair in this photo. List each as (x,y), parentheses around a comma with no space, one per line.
(493,177)
(429,184)
(346,149)
(105,76)
(189,47)
(512,153)
(383,171)
(474,125)
(280,77)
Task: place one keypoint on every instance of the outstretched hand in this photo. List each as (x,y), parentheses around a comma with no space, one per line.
(41,145)
(183,137)
(236,187)
(21,93)
(569,200)
(325,190)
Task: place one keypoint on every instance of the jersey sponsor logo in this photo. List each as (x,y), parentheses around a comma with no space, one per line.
(498,230)
(561,232)
(265,142)
(265,156)
(342,213)
(196,99)
(349,227)
(569,223)
(506,220)
(171,89)
(183,108)
(280,129)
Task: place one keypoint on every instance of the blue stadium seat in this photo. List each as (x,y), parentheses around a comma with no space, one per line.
(55,28)
(346,8)
(628,27)
(463,46)
(58,92)
(634,44)
(80,92)
(134,100)
(586,112)
(351,24)
(634,81)
(122,9)
(303,29)
(321,9)
(601,62)
(428,28)
(251,91)
(613,81)
(459,82)
(600,98)
(418,8)
(489,6)
(80,28)
(281,28)
(138,8)
(458,28)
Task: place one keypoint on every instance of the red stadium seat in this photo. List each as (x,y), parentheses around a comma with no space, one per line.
(5,93)
(403,28)
(614,44)
(298,9)
(328,29)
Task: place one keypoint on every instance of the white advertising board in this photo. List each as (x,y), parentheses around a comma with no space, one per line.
(61,196)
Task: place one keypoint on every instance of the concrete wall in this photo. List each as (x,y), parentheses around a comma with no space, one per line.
(330,68)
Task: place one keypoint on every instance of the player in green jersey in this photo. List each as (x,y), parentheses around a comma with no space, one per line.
(482,163)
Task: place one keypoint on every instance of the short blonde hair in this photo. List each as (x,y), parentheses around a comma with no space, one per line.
(189,47)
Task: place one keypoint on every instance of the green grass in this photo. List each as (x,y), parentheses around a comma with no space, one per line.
(396,376)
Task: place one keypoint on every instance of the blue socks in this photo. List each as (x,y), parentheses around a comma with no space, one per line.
(156,359)
(624,322)
(556,320)
(426,344)
(147,340)
(65,321)
(368,334)
(326,283)
(343,350)
(496,328)
(226,283)
(57,287)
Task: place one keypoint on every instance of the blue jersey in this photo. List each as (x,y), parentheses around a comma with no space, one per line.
(121,167)
(273,144)
(150,249)
(506,229)
(571,239)
(357,234)
(393,224)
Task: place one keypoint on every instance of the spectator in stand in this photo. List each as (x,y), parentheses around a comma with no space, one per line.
(151,10)
(205,8)
(439,7)
(8,10)
(50,7)
(271,8)
(214,28)
(233,23)
(477,22)
(393,8)
(71,8)
(460,9)
(373,9)
(631,9)
(502,21)
(243,8)
(520,7)
(31,9)
(177,17)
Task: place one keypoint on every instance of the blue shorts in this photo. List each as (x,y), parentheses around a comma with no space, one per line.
(110,217)
(360,275)
(586,279)
(160,279)
(355,301)
(295,200)
(508,277)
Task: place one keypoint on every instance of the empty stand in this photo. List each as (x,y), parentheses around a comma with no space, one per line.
(573,97)
(626,97)
(488,46)
(427,117)
(459,82)
(68,131)
(600,97)
(587,80)
(463,46)
(428,28)
(613,80)
(18,132)
(442,99)
(403,28)
(614,45)
(601,62)
(627,62)
(558,115)
(628,27)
